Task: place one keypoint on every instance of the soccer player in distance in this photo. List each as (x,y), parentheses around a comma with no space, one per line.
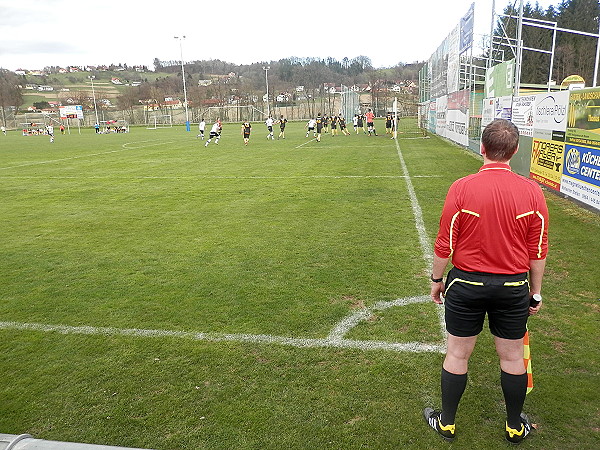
(282,122)
(215,133)
(201,127)
(246,128)
(319,123)
(269,123)
(494,230)
(370,118)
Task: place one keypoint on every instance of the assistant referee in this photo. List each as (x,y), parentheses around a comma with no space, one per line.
(494,229)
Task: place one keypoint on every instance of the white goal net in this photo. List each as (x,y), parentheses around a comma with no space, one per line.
(160,121)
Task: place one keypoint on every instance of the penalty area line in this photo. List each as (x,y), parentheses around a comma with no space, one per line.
(308,142)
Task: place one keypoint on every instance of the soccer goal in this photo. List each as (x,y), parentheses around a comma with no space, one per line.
(232,113)
(349,104)
(160,121)
(407,124)
(114,126)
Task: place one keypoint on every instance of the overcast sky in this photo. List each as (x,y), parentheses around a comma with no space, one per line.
(39,33)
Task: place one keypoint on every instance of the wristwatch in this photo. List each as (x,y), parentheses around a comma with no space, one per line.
(436,280)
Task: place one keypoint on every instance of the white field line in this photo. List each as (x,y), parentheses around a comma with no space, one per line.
(426,247)
(414,347)
(212,177)
(52,161)
(308,142)
(420,137)
(340,330)
(154,143)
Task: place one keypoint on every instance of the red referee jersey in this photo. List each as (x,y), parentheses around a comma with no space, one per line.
(494,221)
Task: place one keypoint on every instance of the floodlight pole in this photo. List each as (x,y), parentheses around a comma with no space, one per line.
(491,51)
(91,77)
(185,102)
(519,63)
(266,69)
(595,83)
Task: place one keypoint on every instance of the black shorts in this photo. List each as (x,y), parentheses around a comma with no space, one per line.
(470,295)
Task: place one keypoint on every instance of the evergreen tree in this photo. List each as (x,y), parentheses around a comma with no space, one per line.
(574,53)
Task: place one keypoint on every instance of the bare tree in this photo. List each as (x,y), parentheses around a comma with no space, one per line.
(127,102)
(10,93)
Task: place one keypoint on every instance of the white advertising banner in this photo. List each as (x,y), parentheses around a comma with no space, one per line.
(441,110)
(71,112)
(487,112)
(457,117)
(503,107)
(453,61)
(432,123)
(522,114)
(550,116)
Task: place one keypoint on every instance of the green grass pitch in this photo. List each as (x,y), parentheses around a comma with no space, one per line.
(161,294)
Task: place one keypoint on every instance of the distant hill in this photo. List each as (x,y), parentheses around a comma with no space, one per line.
(36,88)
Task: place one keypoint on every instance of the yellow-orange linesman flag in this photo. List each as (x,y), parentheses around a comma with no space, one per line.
(527,361)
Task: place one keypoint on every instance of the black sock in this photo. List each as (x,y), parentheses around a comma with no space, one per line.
(453,386)
(514,388)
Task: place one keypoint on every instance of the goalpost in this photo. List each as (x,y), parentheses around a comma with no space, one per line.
(114,126)
(36,123)
(349,104)
(160,121)
(232,113)
(407,124)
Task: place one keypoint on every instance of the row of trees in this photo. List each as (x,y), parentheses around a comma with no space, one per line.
(235,84)
(246,84)
(574,53)
(10,95)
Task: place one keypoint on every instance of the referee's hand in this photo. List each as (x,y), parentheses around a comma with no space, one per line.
(535,309)
(437,289)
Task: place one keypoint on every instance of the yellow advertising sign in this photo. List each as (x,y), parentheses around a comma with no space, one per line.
(584,118)
(547,158)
